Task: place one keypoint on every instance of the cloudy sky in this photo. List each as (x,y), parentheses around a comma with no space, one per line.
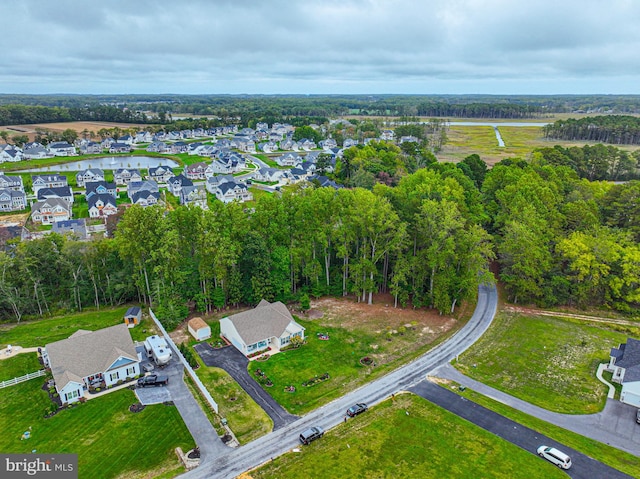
(320,46)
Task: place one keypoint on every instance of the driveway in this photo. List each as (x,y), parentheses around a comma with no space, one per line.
(583,466)
(156,395)
(235,363)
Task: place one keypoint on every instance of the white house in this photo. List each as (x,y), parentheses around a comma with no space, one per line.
(625,366)
(100,358)
(199,329)
(268,325)
(51,210)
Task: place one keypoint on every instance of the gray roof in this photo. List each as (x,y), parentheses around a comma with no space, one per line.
(86,353)
(631,354)
(56,192)
(631,374)
(106,199)
(133,311)
(265,321)
(51,202)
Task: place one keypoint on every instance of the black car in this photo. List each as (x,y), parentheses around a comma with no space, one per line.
(638,416)
(311,434)
(357,409)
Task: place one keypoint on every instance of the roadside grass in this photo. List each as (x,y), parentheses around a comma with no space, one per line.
(623,461)
(257,194)
(428,442)
(340,357)
(38,332)
(268,160)
(247,420)
(110,441)
(547,361)
(19,365)
(608,376)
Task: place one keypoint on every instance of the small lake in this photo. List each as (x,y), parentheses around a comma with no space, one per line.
(106,163)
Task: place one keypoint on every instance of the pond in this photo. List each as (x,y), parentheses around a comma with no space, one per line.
(106,163)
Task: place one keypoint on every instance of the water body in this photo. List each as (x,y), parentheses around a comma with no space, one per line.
(498,136)
(106,163)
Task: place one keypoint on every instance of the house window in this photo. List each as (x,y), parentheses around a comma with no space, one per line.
(71,395)
(131,371)
(114,376)
(262,344)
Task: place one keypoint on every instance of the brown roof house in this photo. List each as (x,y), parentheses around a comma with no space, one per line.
(268,325)
(91,358)
(199,329)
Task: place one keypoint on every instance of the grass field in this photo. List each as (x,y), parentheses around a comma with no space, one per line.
(429,442)
(110,441)
(19,365)
(547,361)
(340,357)
(611,456)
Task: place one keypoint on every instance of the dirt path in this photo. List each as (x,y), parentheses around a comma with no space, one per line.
(583,317)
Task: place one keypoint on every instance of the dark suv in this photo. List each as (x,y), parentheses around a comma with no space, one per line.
(311,434)
(638,416)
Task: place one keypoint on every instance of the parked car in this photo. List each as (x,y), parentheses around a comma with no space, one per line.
(148,367)
(311,434)
(357,409)
(153,380)
(638,416)
(555,456)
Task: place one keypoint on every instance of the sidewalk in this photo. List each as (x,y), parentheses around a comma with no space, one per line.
(615,425)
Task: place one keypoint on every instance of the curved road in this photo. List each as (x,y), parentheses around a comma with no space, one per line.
(239,460)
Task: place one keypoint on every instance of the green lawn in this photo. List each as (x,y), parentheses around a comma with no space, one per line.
(340,357)
(429,442)
(247,420)
(110,441)
(19,365)
(41,331)
(549,362)
(611,456)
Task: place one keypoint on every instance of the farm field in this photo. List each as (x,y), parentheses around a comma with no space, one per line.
(547,361)
(410,438)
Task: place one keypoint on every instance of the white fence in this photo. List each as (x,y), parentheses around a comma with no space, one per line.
(186,365)
(26,377)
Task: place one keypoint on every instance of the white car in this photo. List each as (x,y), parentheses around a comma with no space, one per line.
(558,458)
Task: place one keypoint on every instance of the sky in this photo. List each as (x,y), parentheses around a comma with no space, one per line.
(320,46)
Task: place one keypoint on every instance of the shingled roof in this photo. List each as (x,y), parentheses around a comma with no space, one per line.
(86,353)
(265,321)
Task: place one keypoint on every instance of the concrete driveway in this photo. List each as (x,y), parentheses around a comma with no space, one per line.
(156,395)
(235,363)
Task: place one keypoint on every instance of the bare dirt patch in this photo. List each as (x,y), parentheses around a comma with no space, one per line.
(78,126)
(14,219)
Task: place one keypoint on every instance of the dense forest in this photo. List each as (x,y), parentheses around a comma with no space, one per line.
(428,241)
(613,129)
(244,109)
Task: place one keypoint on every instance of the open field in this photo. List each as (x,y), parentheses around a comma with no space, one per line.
(110,441)
(428,442)
(78,126)
(38,332)
(611,456)
(388,336)
(547,361)
(19,365)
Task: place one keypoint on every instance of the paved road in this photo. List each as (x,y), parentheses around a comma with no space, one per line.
(583,466)
(235,363)
(236,461)
(614,425)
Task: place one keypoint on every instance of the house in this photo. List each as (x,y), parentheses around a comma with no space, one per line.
(160,174)
(11,200)
(122,176)
(268,146)
(90,148)
(145,185)
(624,363)
(50,211)
(268,325)
(194,195)
(64,192)
(102,358)
(328,144)
(324,182)
(90,174)
(36,152)
(77,228)
(233,191)
(145,198)
(143,137)
(289,159)
(47,181)
(101,205)
(157,147)
(387,135)
(213,182)
(100,187)
(199,329)
(176,183)
(196,171)
(306,144)
(268,174)
(11,182)
(10,153)
(126,139)
(409,139)
(119,147)
(133,316)
(107,142)
(61,148)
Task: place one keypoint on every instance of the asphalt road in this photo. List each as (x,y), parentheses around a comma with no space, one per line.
(583,466)
(236,461)
(235,363)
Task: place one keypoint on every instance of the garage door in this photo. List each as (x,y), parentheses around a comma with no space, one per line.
(630,398)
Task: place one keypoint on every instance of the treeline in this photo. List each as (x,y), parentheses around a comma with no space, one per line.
(26,114)
(613,129)
(598,162)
